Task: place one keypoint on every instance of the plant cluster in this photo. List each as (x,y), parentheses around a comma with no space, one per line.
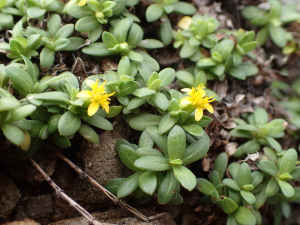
(272,21)
(36,104)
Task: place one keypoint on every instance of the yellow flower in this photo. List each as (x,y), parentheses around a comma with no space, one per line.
(97,96)
(198,101)
(82,2)
(185,22)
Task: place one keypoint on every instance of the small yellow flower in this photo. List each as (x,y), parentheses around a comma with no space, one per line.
(185,22)
(198,101)
(82,2)
(97,96)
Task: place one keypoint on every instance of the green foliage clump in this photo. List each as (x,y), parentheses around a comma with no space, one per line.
(271,21)
(161,170)
(259,131)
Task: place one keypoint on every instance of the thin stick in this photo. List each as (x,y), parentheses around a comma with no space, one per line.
(114,198)
(64,196)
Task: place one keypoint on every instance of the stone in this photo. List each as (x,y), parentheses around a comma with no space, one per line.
(40,206)
(9,195)
(113,216)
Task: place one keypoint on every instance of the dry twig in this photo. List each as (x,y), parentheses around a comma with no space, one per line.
(114,198)
(64,196)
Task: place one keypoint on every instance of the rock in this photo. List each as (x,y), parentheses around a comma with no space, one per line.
(24,170)
(25,222)
(111,217)
(40,206)
(101,162)
(9,195)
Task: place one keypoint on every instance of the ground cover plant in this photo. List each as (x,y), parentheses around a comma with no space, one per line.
(180,104)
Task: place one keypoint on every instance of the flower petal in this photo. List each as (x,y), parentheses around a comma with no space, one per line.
(82,2)
(199,114)
(92,84)
(93,108)
(186,90)
(106,108)
(84,94)
(209,108)
(185,102)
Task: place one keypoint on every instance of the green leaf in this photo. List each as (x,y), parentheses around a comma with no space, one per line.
(129,185)
(35,12)
(47,57)
(109,40)
(135,35)
(21,80)
(144,92)
(260,116)
(248,196)
(187,50)
(95,34)
(185,177)
(243,175)
(273,143)
(136,102)
(161,101)
(204,186)
(272,188)
(151,44)
(244,216)
(176,143)
(251,146)
(166,123)
(278,35)
(268,167)
(195,151)
(166,76)
(288,161)
(232,184)
(286,188)
(98,49)
(68,124)
(13,133)
(167,188)
(148,151)
(154,12)
(160,140)
(99,122)
(128,156)
(80,11)
(221,164)
(184,8)
(148,182)
(135,56)
(8,103)
(30,69)
(21,112)
(153,163)
(86,24)
(53,24)
(165,31)
(146,140)
(88,133)
(262,35)
(60,141)
(144,120)
(228,205)
(256,177)
(193,129)
(114,184)
(121,29)
(128,87)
